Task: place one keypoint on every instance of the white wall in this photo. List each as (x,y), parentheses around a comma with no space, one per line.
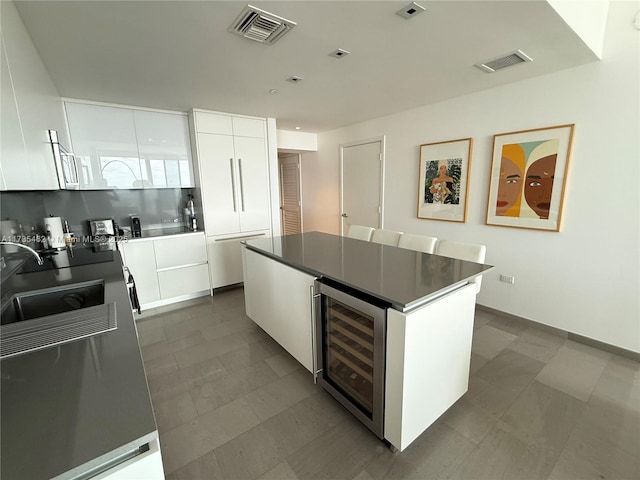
(298,141)
(584,279)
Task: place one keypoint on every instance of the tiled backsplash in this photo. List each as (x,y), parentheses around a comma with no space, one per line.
(154,207)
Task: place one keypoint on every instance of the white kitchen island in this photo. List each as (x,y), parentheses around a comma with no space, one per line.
(429,315)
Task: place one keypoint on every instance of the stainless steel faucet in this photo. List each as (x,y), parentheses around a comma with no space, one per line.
(35,254)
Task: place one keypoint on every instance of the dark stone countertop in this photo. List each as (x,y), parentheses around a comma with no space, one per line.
(68,407)
(404,278)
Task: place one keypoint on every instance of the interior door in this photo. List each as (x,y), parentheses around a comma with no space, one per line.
(291,217)
(362,194)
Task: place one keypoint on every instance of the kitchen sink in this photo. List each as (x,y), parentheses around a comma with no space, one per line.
(52,316)
(50,301)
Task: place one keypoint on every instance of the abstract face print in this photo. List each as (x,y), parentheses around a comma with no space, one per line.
(527,169)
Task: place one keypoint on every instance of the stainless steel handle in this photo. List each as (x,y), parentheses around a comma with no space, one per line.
(233,185)
(76,175)
(241,183)
(59,155)
(255,235)
(314,347)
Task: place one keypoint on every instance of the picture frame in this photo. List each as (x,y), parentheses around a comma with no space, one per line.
(443,180)
(528,178)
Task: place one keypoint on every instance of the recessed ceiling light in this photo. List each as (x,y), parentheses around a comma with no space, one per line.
(294,79)
(339,53)
(410,10)
(273,90)
(298,128)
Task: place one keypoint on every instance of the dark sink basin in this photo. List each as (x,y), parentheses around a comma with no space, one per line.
(50,301)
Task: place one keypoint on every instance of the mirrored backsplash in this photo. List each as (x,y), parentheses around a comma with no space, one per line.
(157,208)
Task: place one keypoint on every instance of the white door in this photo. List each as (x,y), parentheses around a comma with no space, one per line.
(291,217)
(362,180)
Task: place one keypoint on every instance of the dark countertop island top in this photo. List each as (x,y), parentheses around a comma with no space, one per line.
(66,408)
(404,278)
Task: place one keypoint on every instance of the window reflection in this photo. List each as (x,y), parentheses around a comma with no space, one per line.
(120,172)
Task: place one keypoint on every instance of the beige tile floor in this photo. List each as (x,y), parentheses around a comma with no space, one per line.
(230,403)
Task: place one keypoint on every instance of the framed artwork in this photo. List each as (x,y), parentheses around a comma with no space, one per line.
(443,180)
(528,177)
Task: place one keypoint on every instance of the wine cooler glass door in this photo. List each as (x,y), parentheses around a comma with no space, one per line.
(352,348)
(349,352)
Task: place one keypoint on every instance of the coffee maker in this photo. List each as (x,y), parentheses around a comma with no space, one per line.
(103,233)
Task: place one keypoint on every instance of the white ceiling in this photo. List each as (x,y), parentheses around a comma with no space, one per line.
(178,54)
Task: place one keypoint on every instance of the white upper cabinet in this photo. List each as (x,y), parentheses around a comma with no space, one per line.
(164,149)
(30,106)
(104,142)
(248,127)
(119,147)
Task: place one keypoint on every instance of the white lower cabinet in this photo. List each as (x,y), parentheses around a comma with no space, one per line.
(140,259)
(168,269)
(183,281)
(225,257)
(279,299)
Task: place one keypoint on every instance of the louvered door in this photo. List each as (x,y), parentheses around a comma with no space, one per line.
(290,194)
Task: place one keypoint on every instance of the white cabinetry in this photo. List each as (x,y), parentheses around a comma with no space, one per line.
(182,265)
(233,163)
(168,269)
(279,299)
(30,106)
(225,257)
(427,363)
(104,142)
(233,172)
(140,258)
(164,149)
(120,147)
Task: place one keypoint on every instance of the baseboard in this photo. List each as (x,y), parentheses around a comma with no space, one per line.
(623,352)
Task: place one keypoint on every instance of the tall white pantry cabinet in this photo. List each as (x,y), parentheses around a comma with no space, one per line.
(235,179)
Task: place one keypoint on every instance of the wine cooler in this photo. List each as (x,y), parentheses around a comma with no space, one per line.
(350,352)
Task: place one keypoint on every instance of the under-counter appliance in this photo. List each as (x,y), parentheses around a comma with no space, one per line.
(350,354)
(66,164)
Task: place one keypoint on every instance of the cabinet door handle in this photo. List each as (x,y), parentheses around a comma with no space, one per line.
(241,183)
(233,185)
(76,177)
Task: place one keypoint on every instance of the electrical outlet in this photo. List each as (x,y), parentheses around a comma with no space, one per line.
(508,279)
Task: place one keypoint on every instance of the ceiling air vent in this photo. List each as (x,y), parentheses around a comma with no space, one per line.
(513,58)
(261,26)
